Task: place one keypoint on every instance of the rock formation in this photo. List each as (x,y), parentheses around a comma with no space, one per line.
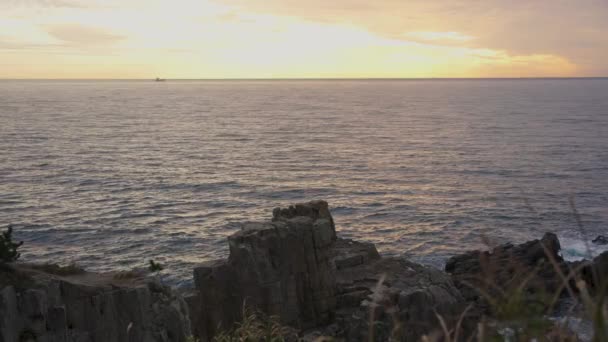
(296,268)
(400,297)
(509,266)
(522,282)
(87,307)
(600,240)
(281,267)
(595,272)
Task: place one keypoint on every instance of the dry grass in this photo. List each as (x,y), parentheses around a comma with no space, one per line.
(515,313)
(128,275)
(257,327)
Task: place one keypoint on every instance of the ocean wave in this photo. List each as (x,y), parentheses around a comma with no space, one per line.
(574,249)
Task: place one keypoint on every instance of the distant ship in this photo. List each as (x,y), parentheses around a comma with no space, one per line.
(160,79)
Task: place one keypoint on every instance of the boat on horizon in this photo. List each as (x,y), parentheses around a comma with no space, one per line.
(160,79)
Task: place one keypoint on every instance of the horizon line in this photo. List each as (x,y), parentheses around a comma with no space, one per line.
(309,78)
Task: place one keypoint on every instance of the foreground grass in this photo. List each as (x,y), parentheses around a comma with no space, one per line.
(514,315)
(255,327)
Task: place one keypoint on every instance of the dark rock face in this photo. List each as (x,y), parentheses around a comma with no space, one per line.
(401,298)
(347,253)
(83,309)
(601,265)
(509,265)
(281,267)
(314,209)
(595,272)
(295,267)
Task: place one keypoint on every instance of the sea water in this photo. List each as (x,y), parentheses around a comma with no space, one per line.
(110,174)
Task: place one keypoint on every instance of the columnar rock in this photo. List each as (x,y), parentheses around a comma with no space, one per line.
(314,209)
(282,268)
(296,268)
(88,307)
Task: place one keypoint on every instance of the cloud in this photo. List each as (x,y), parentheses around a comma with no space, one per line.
(340,38)
(64,3)
(32,4)
(438,37)
(501,64)
(572,29)
(83,35)
(9,45)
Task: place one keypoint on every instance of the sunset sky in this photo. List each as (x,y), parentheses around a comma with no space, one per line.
(302,39)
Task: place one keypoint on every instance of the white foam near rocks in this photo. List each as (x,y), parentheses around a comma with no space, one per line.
(577,249)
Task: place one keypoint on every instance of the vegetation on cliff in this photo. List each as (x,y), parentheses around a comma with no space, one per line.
(9,248)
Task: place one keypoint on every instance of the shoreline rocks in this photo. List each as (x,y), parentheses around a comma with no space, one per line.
(479,273)
(600,240)
(83,307)
(281,267)
(294,267)
(394,299)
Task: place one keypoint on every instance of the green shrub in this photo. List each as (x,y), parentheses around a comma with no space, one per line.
(155,267)
(8,248)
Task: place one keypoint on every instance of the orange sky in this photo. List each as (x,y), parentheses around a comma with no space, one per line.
(302,39)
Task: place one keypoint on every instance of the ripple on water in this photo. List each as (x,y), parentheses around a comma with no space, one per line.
(138,172)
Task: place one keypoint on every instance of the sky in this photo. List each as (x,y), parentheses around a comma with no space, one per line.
(303,39)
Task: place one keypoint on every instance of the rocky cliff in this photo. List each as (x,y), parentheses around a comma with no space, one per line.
(296,268)
(281,267)
(87,307)
(293,266)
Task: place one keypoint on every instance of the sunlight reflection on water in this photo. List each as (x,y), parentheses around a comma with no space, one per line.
(128,171)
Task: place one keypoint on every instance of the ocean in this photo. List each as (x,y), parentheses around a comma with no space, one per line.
(110,174)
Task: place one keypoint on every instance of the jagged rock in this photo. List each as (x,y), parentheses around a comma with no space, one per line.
(295,267)
(90,308)
(595,272)
(281,267)
(509,266)
(402,298)
(600,263)
(313,209)
(347,253)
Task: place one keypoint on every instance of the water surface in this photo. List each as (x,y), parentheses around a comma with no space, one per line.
(112,173)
